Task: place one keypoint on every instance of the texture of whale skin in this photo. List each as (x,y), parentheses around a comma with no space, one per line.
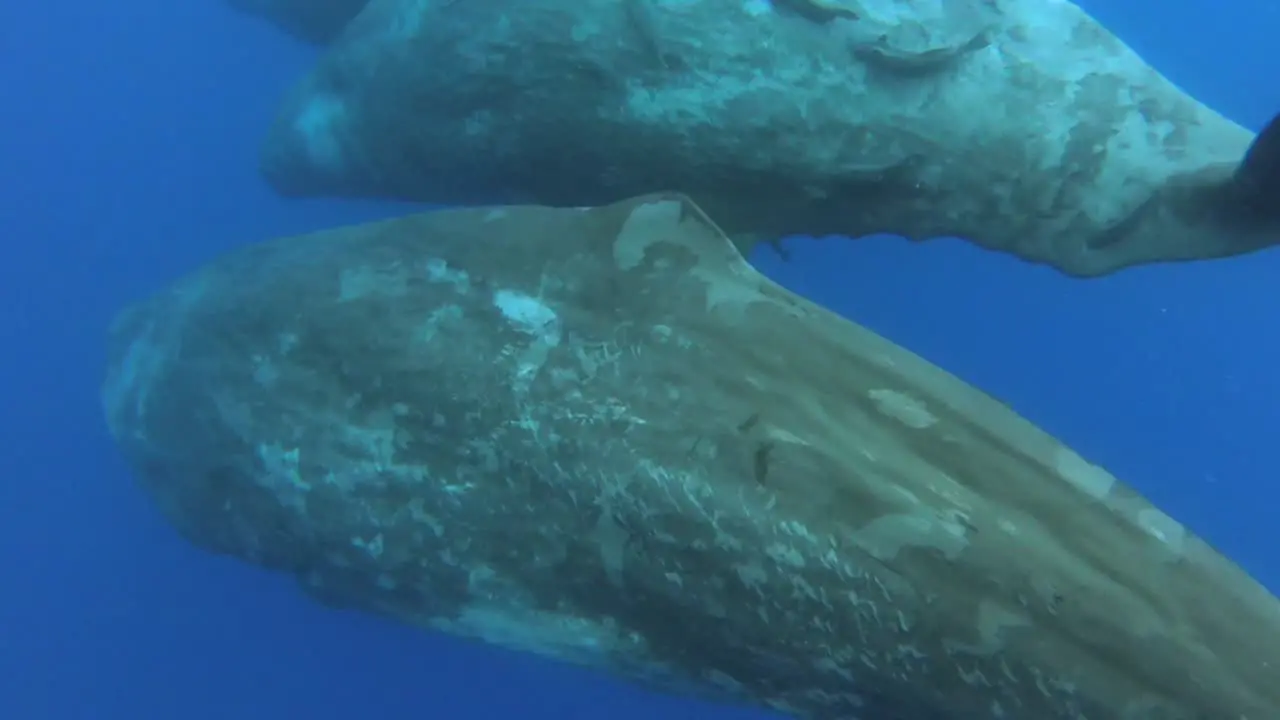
(1022,125)
(600,436)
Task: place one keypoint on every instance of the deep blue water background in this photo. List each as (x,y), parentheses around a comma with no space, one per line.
(128,133)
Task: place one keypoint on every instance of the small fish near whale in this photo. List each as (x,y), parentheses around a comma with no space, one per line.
(599,435)
(1021,125)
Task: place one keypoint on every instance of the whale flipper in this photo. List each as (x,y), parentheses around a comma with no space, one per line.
(1256,187)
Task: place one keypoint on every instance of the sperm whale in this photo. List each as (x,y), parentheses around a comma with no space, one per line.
(1021,125)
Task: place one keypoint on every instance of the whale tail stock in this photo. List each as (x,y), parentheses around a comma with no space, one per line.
(1255,188)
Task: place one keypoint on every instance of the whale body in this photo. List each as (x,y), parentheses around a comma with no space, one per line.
(600,436)
(1021,125)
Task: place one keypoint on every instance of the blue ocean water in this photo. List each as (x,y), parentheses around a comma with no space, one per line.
(128,134)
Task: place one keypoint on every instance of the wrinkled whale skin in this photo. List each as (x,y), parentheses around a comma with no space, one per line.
(1022,125)
(601,436)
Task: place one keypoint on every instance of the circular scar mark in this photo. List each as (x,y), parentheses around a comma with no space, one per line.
(903,408)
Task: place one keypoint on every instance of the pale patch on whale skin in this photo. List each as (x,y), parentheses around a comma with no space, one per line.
(320,126)
(905,408)
(534,319)
(1022,125)
(620,446)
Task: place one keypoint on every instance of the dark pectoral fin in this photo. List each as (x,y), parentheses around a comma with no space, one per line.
(1256,188)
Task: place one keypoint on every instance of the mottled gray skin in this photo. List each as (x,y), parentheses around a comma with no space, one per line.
(1022,125)
(313,21)
(600,436)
